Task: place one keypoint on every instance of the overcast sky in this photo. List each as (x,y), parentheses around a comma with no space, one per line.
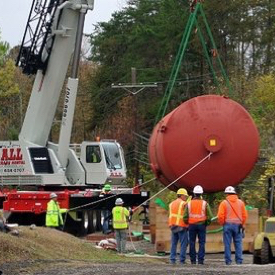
(14,15)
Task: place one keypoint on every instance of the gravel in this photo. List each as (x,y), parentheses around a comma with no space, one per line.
(148,265)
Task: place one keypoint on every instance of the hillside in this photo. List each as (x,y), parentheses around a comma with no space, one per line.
(44,251)
(48,251)
(44,244)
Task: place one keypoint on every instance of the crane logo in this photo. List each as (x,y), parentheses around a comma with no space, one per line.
(11,156)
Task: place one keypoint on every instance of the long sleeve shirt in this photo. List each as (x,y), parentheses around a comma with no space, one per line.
(233,210)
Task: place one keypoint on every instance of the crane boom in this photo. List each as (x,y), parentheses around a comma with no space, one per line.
(49,81)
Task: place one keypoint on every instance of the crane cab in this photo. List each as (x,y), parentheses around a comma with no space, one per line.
(100,162)
(103,161)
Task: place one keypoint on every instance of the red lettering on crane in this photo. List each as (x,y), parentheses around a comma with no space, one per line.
(11,154)
(19,155)
(4,154)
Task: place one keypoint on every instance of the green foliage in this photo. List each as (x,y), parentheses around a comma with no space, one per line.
(145,36)
(243,31)
(260,100)
(13,133)
(261,104)
(258,198)
(4,47)
(8,87)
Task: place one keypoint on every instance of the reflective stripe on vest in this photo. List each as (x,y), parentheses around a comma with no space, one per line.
(119,217)
(176,209)
(231,216)
(53,215)
(196,214)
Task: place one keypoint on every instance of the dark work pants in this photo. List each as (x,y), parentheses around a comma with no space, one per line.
(194,231)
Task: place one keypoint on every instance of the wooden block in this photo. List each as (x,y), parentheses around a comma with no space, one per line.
(152,212)
(153,233)
(214,242)
(136,226)
(160,246)
(253,216)
(213,247)
(161,217)
(251,228)
(211,238)
(213,226)
(146,227)
(153,238)
(163,234)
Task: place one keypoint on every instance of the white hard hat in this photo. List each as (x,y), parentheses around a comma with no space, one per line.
(53,195)
(229,190)
(119,201)
(198,189)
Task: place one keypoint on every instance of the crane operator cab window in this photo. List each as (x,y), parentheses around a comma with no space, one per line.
(93,154)
(112,155)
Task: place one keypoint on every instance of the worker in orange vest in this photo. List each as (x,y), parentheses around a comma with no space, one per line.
(197,215)
(232,216)
(178,227)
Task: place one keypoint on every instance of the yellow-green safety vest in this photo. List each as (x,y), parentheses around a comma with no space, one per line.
(120,215)
(53,215)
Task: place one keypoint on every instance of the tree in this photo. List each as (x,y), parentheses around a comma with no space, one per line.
(9,92)
(145,35)
(261,104)
(4,47)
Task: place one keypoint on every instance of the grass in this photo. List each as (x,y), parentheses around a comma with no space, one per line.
(46,244)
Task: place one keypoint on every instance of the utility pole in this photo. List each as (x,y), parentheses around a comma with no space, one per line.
(136,129)
(134,88)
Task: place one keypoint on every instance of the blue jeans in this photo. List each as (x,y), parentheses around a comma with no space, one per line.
(181,237)
(232,231)
(194,231)
(105,226)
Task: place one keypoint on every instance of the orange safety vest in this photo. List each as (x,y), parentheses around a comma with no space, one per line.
(233,216)
(196,211)
(176,210)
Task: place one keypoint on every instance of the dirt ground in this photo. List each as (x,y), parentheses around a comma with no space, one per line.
(149,263)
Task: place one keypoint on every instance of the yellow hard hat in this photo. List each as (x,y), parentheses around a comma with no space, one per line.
(182,191)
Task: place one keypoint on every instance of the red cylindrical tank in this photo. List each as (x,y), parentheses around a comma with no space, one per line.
(201,125)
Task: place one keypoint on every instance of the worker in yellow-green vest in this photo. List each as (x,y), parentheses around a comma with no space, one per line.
(120,224)
(54,213)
